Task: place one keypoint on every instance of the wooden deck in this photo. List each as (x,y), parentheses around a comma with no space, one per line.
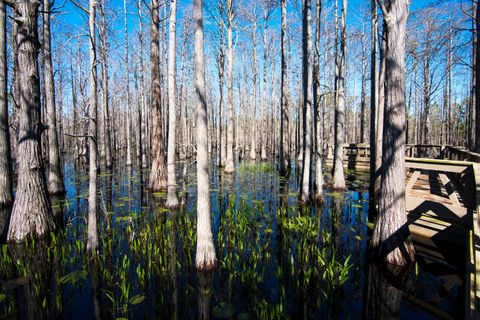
(443,207)
(442,210)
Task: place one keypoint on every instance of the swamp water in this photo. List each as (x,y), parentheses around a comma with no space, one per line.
(276,260)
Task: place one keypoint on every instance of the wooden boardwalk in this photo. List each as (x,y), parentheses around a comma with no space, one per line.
(443,205)
(441,198)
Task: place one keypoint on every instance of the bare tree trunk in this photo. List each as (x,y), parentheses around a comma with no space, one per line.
(77,142)
(142,115)
(380,117)
(61,137)
(182,100)
(477,79)
(221,70)
(158,176)
(172,199)
(127,88)
(263,121)
(101,147)
(373,101)
(282,166)
(6,186)
(273,135)
(55,178)
(363,99)
(16,93)
(106,151)
(472,105)
(32,212)
(43,111)
(426,94)
(92,242)
(137,125)
(307,102)
(316,107)
(229,166)
(390,238)
(288,120)
(205,256)
(450,80)
(338,179)
(253,135)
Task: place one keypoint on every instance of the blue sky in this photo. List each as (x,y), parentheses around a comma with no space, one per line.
(73,21)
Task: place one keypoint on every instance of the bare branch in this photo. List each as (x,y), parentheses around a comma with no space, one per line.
(78,5)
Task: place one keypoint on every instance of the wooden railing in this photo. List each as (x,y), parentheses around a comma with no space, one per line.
(473,282)
(361,152)
(460,163)
(466,175)
(437,151)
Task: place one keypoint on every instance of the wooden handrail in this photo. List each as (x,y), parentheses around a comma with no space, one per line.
(468,175)
(431,151)
(474,247)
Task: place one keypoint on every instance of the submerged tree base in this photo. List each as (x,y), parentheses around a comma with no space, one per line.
(158,177)
(205,259)
(172,199)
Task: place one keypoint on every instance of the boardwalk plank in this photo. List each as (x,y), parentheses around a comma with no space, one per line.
(449,187)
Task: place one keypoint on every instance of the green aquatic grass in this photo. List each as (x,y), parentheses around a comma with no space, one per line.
(141,252)
(256,167)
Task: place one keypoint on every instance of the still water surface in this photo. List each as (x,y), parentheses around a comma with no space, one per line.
(276,260)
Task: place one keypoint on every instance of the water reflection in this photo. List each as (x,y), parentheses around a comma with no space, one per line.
(276,260)
(58,210)
(205,291)
(384,291)
(4,221)
(30,282)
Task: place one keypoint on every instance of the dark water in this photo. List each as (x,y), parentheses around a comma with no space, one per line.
(276,260)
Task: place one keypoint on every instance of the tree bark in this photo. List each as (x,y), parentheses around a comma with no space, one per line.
(205,256)
(127,88)
(229,166)
(55,177)
(61,137)
(390,238)
(158,173)
(172,199)
(426,93)
(338,179)
(363,99)
(282,166)
(263,140)
(472,103)
(316,107)
(6,186)
(380,117)
(253,134)
(373,102)
(221,150)
(477,79)
(92,241)
(32,212)
(15,94)
(307,102)
(141,112)
(106,150)
(450,80)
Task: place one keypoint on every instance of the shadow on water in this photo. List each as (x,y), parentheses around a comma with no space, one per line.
(276,259)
